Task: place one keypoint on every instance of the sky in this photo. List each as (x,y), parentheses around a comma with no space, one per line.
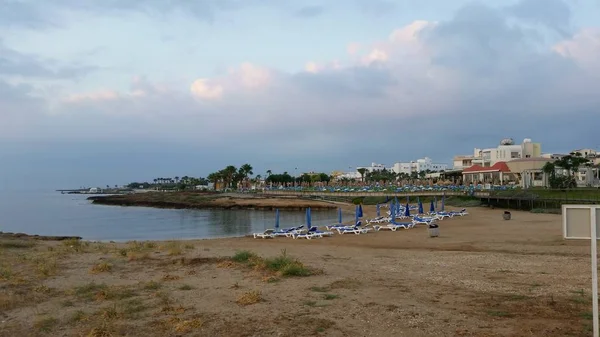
(108,92)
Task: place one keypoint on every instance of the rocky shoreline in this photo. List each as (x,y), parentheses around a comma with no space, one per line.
(37,237)
(190,200)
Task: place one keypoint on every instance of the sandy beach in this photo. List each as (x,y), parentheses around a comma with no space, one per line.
(482,277)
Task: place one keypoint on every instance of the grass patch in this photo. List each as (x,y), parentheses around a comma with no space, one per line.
(78,316)
(587,315)
(189,246)
(319,289)
(90,291)
(74,245)
(16,244)
(5,273)
(132,307)
(250,297)
(103,267)
(186,287)
(137,256)
(286,266)
(348,283)
(170,277)
(46,267)
(314,304)
(152,285)
(100,331)
(67,303)
(46,324)
(329,297)
(243,256)
(173,248)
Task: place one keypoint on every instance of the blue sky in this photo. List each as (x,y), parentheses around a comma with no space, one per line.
(96,93)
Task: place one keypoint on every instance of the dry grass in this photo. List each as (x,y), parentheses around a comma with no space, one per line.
(249,298)
(102,267)
(46,324)
(173,248)
(170,277)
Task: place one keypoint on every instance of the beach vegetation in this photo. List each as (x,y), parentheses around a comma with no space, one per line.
(46,324)
(102,267)
(243,256)
(329,297)
(250,297)
(16,244)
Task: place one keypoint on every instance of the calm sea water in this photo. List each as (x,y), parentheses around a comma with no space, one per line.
(52,213)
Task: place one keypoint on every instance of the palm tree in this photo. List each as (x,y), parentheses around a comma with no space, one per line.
(362,172)
(176,179)
(549,170)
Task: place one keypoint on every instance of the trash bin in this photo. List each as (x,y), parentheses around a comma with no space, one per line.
(434,230)
(506,215)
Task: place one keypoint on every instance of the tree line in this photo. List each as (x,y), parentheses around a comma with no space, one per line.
(561,172)
(182,183)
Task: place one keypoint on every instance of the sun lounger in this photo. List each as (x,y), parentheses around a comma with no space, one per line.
(425,221)
(462,212)
(355,229)
(267,234)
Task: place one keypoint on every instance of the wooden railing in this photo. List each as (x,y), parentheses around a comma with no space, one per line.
(378,194)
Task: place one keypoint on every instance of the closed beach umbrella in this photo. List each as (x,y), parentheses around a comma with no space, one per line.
(356,215)
(308,218)
(420,207)
(378,211)
(443,202)
(407,210)
(360,212)
(431,207)
(339,215)
(277,219)
(393,212)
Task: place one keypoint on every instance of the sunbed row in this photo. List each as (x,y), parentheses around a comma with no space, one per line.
(371,225)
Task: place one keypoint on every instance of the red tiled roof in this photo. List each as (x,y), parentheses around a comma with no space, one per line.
(498,167)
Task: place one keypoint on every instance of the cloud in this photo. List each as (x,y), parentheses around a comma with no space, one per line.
(202,89)
(554,14)
(309,11)
(23,14)
(17,64)
(428,88)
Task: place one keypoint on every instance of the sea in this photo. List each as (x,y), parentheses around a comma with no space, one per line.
(53,213)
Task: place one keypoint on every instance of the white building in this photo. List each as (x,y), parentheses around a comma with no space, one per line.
(373,167)
(349,175)
(506,151)
(587,153)
(418,165)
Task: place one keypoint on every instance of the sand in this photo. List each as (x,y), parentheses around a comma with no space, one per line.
(482,277)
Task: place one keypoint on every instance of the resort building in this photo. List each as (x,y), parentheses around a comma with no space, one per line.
(373,167)
(424,164)
(339,175)
(505,152)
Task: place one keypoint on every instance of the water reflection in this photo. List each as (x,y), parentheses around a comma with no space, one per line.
(57,214)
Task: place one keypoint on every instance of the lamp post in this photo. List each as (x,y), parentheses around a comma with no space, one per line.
(295,177)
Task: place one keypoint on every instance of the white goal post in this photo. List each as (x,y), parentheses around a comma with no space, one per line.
(582,222)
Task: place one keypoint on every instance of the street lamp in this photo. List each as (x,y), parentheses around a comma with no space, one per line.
(295,177)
